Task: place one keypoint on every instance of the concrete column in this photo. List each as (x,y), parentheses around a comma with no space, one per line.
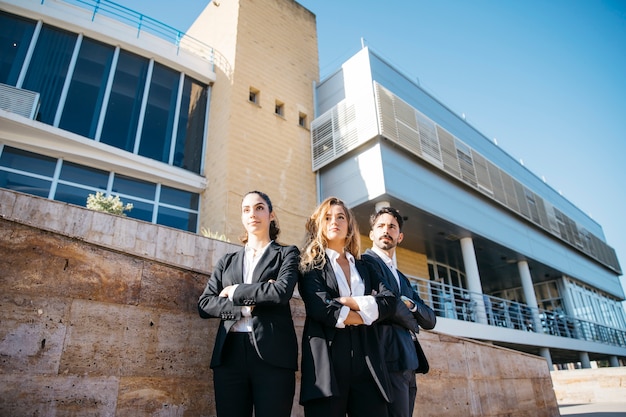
(545,352)
(529,293)
(584,360)
(474,285)
(613,362)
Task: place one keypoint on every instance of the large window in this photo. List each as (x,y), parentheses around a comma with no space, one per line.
(591,305)
(15,37)
(156,134)
(163,119)
(26,172)
(72,183)
(48,69)
(86,93)
(124,106)
(191,126)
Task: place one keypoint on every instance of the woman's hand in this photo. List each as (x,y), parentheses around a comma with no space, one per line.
(227,291)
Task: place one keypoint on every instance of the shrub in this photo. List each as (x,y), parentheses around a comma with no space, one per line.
(108,204)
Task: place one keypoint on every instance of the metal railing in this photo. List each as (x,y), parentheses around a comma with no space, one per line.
(149,25)
(460,304)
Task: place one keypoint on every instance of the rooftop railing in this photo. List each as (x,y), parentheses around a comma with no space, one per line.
(460,304)
(145,24)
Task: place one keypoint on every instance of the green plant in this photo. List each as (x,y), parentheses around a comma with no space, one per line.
(108,204)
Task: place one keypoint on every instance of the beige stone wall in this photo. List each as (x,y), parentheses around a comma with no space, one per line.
(270,46)
(98,318)
(581,386)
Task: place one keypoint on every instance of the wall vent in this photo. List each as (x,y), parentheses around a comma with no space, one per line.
(18,101)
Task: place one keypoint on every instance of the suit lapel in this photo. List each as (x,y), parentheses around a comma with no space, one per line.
(388,279)
(237,267)
(331,279)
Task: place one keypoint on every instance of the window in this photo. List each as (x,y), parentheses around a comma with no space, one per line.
(122,115)
(279,108)
(158,123)
(190,133)
(254,96)
(35,174)
(26,172)
(15,36)
(302,120)
(85,96)
(164,120)
(48,69)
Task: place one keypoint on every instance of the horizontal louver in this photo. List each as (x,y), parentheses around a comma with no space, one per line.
(337,132)
(18,101)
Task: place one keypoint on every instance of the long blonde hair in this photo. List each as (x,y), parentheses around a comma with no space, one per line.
(314,251)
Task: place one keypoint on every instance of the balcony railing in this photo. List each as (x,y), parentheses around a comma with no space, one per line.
(460,304)
(145,24)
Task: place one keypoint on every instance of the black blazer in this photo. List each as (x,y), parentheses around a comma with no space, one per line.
(274,335)
(400,350)
(318,288)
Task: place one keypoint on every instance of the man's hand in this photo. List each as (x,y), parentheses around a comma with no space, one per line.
(410,304)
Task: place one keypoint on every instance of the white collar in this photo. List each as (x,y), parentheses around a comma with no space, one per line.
(333,255)
(386,259)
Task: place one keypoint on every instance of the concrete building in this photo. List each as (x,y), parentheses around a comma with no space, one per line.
(96,97)
(499,254)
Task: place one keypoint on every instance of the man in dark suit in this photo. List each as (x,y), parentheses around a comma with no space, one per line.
(400,346)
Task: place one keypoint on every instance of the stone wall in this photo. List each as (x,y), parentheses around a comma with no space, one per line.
(98,318)
(582,386)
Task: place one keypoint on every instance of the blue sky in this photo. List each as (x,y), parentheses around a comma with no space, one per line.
(545,78)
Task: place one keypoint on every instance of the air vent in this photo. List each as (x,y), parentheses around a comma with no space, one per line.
(18,101)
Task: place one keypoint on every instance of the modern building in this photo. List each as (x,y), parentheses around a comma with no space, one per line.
(499,254)
(97,97)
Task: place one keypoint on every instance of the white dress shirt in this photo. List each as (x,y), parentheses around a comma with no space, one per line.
(368,309)
(250,261)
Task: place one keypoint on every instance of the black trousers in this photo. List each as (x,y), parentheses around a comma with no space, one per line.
(359,395)
(244,382)
(403,391)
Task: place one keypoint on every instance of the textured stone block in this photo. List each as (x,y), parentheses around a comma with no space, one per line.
(63,395)
(32,333)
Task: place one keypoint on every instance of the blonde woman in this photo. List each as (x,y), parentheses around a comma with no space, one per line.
(342,367)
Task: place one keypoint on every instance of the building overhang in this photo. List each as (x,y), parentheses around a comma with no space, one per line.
(439,212)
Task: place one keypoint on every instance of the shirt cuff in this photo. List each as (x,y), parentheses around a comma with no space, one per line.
(343,314)
(368,309)
(231,292)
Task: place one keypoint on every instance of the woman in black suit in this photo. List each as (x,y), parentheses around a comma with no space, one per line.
(255,354)
(343,371)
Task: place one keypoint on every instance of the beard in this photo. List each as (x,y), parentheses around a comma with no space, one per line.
(386,243)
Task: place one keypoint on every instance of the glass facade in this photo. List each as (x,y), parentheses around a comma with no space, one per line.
(110,95)
(163,120)
(72,183)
